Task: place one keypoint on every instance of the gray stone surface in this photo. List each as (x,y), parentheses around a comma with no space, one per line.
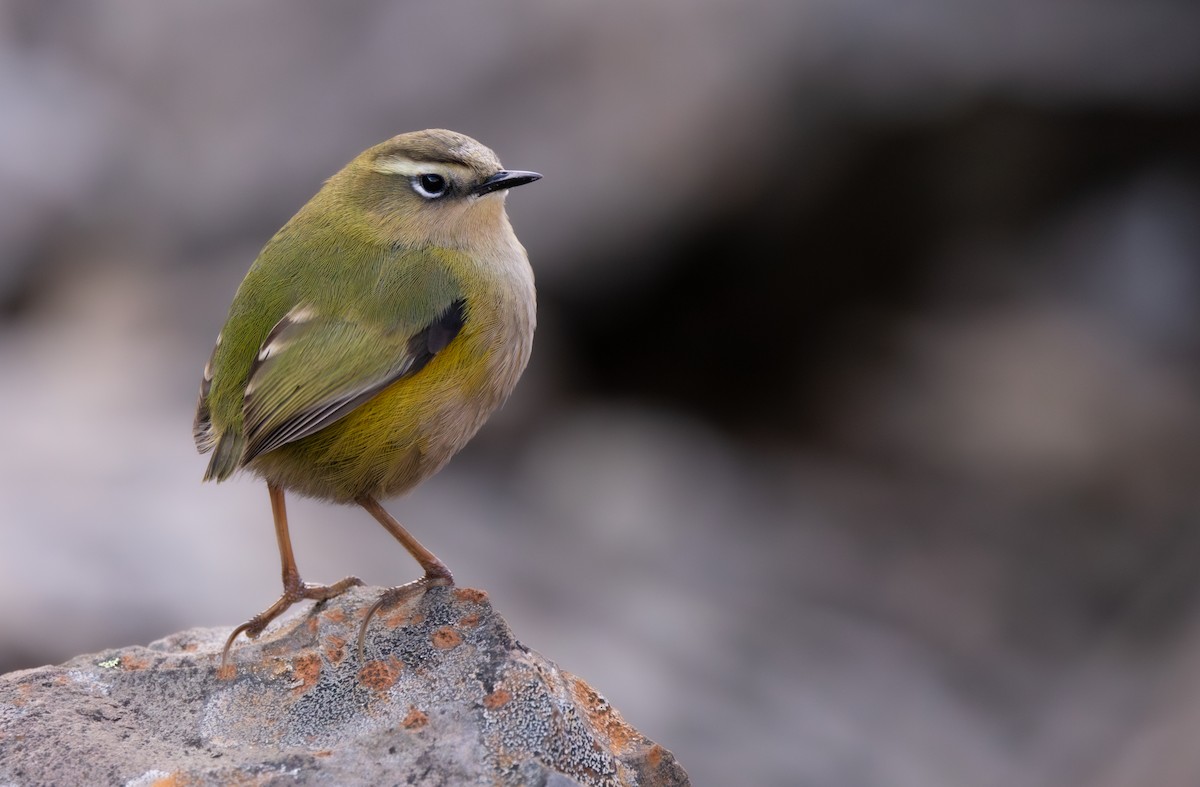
(443,695)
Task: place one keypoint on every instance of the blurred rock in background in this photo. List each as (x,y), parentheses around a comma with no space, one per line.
(869,337)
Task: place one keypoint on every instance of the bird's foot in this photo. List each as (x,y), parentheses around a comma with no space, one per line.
(436,576)
(293,591)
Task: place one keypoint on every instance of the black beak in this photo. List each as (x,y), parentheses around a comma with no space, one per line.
(504,179)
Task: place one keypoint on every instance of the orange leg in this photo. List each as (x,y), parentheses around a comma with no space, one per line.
(436,572)
(294,589)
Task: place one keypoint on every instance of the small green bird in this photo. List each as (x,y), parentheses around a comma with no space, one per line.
(370,340)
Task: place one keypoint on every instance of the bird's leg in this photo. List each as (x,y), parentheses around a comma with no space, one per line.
(294,588)
(436,572)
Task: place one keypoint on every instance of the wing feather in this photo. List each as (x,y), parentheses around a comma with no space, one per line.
(312,371)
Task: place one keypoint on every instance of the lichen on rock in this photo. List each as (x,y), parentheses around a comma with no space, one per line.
(444,694)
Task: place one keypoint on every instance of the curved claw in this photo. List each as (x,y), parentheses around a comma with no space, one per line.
(292,592)
(399,593)
(249,624)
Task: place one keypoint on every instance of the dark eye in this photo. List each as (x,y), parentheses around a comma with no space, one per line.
(430,185)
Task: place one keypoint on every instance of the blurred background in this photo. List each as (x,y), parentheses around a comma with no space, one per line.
(859,442)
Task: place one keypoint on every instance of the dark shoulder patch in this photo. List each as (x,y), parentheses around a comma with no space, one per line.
(437,335)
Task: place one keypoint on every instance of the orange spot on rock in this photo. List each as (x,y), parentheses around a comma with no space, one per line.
(132,664)
(470,595)
(415,719)
(174,780)
(323,753)
(307,668)
(336,615)
(497,699)
(469,621)
(603,717)
(380,675)
(24,690)
(226,672)
(396,619)
(446,638)
(335,648)
(654,756)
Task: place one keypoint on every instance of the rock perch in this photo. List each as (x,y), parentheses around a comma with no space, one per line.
(444,695)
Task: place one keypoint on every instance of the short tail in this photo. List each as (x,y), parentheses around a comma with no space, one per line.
(226,458)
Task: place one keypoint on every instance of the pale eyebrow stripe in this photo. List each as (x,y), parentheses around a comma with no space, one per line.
(407,167)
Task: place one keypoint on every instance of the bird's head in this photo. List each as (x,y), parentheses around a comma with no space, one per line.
(433,187)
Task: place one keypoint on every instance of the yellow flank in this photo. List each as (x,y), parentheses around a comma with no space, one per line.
(400,436)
